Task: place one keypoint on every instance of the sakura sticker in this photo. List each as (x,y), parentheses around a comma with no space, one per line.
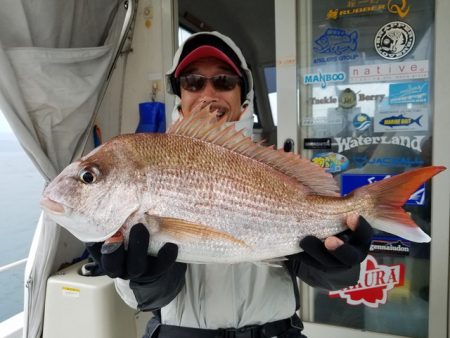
(375,281)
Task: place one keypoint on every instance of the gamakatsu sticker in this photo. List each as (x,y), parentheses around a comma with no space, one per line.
(394,40)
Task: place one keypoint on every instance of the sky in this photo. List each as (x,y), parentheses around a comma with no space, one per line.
(4,126)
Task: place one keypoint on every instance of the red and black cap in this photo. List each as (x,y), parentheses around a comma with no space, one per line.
(207,45)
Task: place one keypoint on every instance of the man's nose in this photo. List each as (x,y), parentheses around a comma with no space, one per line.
(209,89)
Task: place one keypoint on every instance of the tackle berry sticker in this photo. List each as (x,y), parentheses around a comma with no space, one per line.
(375,280)
(394,40)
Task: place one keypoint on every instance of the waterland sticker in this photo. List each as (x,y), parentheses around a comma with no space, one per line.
(409,92)
(375,281)
(347,143)
(350,182)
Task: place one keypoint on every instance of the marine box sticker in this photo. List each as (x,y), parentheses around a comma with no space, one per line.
(350,182)
(375,281)
(401,120)
(409,92)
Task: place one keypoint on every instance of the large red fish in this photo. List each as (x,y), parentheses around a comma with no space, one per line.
(218,195)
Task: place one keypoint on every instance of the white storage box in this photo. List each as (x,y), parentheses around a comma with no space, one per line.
(89,307)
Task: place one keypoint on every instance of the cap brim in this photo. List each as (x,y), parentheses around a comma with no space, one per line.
(203,52)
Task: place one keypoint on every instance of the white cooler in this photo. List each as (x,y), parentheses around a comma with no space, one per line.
(89,307)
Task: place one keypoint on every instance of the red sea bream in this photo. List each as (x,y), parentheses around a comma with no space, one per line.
(220,197)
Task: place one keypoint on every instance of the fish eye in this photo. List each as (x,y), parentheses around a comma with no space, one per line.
(89,175)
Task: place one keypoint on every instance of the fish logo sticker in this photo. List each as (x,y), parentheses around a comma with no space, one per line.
(394,40)
(332,162)
(401,120)
(375,281)
(336,41)
(336,44)
(410,92)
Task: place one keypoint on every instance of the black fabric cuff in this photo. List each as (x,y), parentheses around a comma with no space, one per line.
(162,290)
(333,280)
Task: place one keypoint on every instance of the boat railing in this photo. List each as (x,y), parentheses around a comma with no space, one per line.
(12,327)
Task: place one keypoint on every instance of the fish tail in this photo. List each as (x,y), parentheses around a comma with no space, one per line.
(418,120)
(389,195)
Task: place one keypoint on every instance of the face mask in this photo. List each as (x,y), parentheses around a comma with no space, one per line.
(245,124)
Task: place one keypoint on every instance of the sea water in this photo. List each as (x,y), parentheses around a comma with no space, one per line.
(20,188)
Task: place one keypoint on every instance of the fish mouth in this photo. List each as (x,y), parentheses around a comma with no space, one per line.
(52,206)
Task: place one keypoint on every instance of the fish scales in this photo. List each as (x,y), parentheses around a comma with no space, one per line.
(246,210)
(217,195)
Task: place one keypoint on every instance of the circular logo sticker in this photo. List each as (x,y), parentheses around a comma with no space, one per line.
(347,98)
(361,121)
(394,40)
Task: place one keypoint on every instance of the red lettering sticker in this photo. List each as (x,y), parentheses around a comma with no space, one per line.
(375,280)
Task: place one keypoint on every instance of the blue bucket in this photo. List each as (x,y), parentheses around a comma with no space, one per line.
(152,118)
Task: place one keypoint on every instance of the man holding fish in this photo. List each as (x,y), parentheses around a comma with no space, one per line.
(245,299)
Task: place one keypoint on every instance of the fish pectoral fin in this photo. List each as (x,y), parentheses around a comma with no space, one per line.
(181,229)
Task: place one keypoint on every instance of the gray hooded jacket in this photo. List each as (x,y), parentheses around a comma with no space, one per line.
(219,295)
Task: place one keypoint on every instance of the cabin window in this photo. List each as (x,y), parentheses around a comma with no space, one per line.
(270,76)
(183,34)
(21,185)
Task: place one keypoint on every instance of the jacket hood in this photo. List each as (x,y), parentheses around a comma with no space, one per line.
(246,119)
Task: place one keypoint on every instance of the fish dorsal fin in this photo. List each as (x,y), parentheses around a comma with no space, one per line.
(204,126)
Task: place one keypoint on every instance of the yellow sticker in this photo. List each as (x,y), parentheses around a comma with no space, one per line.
(70,292)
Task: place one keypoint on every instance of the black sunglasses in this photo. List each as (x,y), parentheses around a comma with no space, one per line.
(221,82)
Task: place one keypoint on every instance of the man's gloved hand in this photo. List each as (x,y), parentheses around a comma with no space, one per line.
(336,254)
(134,264)
(334,263)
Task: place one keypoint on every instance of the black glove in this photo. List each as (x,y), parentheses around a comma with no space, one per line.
(353,251)
(134,264)
(332,269)
(155,281)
